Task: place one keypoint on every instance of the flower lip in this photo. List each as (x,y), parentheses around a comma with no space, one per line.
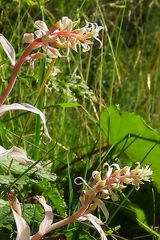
(28,38)
(41,25)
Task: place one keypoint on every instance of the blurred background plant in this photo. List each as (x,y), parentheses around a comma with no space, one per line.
(124,72)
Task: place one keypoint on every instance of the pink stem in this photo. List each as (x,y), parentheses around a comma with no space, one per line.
(16,68)
(67,220)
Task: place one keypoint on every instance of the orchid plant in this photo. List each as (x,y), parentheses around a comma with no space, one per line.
(62,35)
(43,43)
(102,186)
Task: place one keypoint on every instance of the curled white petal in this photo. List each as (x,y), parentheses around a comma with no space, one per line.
(116,166)
(27,107)
(48,219)
(80,181)
(8,48)
(85,47)
(18,155)
(95,173)
(100,42)
(96,223)
(110,169)
(102,206)
(23,230)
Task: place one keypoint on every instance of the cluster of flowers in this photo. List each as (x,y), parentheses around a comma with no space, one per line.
(62,35)
(113,181)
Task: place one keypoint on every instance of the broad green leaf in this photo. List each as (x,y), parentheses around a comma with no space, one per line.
(129,132)
(6,179)
(44,175)
(133,211)
(6,218)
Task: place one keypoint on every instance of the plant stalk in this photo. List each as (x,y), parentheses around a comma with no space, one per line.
(16,69)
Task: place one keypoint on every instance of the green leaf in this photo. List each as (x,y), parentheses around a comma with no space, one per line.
(129,133)
(6,179)
(112,230)
(133,211)
(148,229)
(44,175)
(69,104)
(75,104)
(3,203)
(6,217)
(55,196)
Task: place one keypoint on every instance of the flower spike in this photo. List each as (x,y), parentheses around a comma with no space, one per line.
(63,35)
(108,186)
(101,187)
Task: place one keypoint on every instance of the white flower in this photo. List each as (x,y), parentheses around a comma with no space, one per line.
(93,31)
(90,30)
(28,37)
(67,23)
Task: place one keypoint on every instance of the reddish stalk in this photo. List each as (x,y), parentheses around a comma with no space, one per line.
(17,67)
(67,220)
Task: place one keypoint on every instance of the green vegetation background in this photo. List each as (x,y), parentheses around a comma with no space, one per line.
(124,72)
